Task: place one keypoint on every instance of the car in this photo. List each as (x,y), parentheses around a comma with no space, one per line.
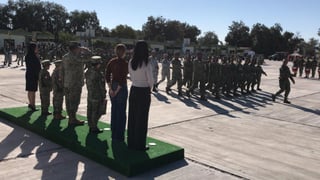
(278,56)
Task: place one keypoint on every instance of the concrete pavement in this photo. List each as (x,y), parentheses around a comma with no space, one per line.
(247,137)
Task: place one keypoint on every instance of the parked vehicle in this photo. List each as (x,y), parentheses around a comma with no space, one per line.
(278,56)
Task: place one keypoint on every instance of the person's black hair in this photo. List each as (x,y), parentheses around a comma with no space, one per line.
(140,55)
(31,48)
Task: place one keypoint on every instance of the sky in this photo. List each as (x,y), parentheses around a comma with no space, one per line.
(296,16)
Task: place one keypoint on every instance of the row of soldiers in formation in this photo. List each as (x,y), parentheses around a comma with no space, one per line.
(95,82)
(309,66)
(219,76)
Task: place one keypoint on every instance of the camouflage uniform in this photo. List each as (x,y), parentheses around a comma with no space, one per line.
(57,86)
(155,70)
(176,76)
(95,82)
(313,67)
(301,66)
(215,75)
(45,87)
(284,82)
(73,80)
(199,75)
(165,71)
(187,72)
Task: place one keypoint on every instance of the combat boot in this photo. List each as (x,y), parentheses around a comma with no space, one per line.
(286,101)
(73,121)
(154,89)
(58,116)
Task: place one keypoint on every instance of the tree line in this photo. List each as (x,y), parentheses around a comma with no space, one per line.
(39,15)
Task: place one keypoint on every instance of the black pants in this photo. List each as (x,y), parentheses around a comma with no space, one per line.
(139,105)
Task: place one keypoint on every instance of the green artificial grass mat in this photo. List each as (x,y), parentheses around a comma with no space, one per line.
(96,147)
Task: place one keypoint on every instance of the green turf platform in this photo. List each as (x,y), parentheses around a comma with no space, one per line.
(96,147)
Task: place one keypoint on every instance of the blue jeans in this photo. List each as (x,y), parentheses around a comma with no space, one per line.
(118,114)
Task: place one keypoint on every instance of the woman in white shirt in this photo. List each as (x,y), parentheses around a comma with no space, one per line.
(140,71)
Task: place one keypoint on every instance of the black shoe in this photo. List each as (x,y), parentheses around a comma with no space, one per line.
(286,101)
(45,113)
(273,97)
(168,90)
(95,131)
(188,93)
(259,89)
(202,98)
(32,107)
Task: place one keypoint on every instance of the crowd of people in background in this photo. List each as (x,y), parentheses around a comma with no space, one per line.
(76,66)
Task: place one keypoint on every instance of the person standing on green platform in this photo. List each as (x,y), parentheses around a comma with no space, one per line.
(96,93)
(57,87)
(73,79)
(116,78)
(140,70)
(45,87)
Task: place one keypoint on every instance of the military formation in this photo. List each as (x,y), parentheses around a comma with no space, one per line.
(193,74)
(308,66)
(227,76)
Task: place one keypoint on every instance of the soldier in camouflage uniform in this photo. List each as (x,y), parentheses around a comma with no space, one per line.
(259,72)
(215,75)
(73,78)
(284,82)
(165,71)
(242,77)
(176,74)
(45,87)
(95,82)
(246,75)
(187,71)
(155,69)
(319,70)
(313,67)
(57,87)
(199,75)
(234,77)
(301,65)
(226,78)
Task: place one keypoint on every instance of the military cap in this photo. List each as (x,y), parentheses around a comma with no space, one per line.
(57,61)
(46,62)
(74,45)
(96,59)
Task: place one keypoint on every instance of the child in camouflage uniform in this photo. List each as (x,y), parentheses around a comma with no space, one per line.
(57,86)
(45,86)
(96,93)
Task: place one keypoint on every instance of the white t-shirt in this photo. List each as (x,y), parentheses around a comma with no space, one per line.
(142,76)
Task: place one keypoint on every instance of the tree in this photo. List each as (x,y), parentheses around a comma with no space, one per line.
(123,31)
(309,47)
(6,16)
(319,32)
(260,36)
(174,31)
(82,20)
(209,39)
(153,29)
(238,35)
(191,32)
